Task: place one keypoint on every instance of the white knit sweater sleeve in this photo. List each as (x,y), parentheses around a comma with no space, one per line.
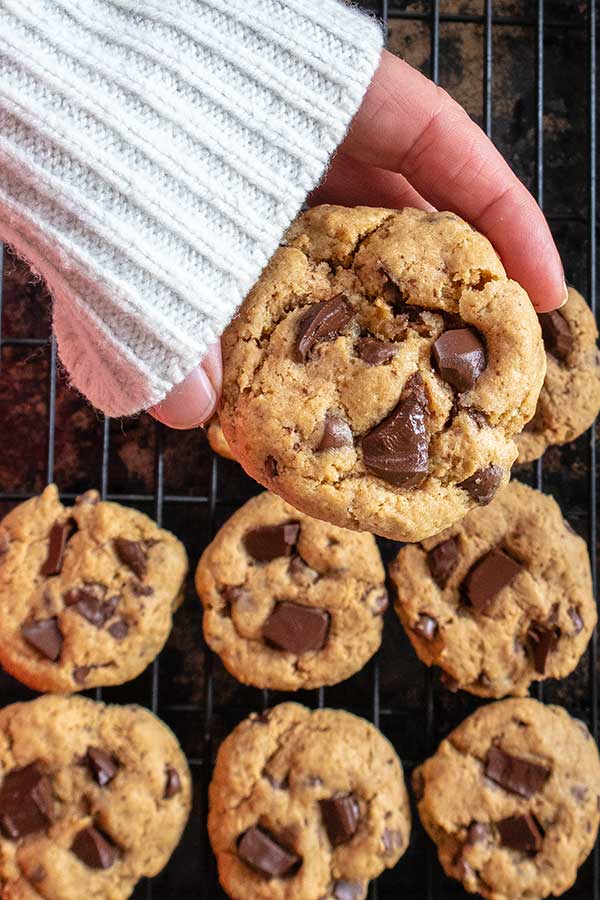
(152,153)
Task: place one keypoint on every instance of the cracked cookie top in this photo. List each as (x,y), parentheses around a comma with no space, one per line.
(289,601)
(500,599)
(306,805)
(87,592)
(512,800)
(92,798)
(377,373)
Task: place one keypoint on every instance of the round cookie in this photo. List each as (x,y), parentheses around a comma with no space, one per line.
(511,799)
(377,373)
(306,805)
(92,798)
(290,602)
(501,599)
(217,439)
(570,398)
(87,593)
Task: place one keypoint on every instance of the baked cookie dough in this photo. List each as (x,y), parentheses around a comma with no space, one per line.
(306,805)
(377,373)
(511,799)
(87,592)
(217,439)
(92,798)
(289,601)
(501,599)
(570,398)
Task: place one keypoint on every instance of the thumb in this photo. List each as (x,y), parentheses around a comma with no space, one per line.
(193,401)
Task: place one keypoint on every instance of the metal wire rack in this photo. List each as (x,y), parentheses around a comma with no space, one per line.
(526,69)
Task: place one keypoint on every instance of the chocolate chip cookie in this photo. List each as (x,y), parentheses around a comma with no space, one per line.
(570,398)
(87,592)
(92,798)
(217,439)
(511,799)
(377,373)
(290,602)
(501,599)
(306,806)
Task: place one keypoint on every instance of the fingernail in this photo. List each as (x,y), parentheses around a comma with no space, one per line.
(213,365)
(565,295)
(189,404)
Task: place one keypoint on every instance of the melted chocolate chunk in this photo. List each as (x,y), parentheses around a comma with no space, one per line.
(262,853)
(347,890)
(392,840)
(94,849)
(59,535)
(336,433)
(341,816)
(119,630)
(297,629)
(80,673)
(493,572)
(271,467)
(521,833)
(172,783)
(322,322)
(133,555)
(88,601)
(518,776)
(576,620)
(556,332)
(397,450)
(460,357)
(477,833)
(374,352)
(541,641)
(102,766)
(483,485)
(139,589)
(267,542)
(25,802)
(426,627)
(45,636)
(442,561)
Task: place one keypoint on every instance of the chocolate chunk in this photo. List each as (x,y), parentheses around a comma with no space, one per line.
(94,849)
(119,630)
(267,542)
(341,816)
(519,776)
(380,603)
(133,555)
(336,433)
(541,641)
(103,766)
(460,357)
(442,561)
(80,673)
(271,467)
(575,619)
(261,852)
(374,352)
(25,802)
(297,629)
(139,589)
(89,498)
(172,783)
(38,874)
(492,573)
(88,601)
(521,833)
(483,485)
(556,332)
(347,890)
(45,636)
(478,416)
(477,833)
(579,792)
(299,569)
(59,535)
(425,627)
(392,840)
(322,322)
(397,449)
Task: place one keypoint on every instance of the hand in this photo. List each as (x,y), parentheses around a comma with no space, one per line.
(412,145)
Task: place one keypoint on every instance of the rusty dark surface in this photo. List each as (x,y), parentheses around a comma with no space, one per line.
(175,477)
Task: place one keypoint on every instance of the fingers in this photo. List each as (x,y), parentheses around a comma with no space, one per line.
(194,401)
(408,125)
(350,182)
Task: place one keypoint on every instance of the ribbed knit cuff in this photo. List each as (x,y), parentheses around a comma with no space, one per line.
(153,152)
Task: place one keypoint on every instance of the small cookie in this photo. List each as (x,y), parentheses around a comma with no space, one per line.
(570,398)
(306,805)
(217,439)
(511,799)
(290,602)
(376,375)
(87,593)
(92,798)
(501,599)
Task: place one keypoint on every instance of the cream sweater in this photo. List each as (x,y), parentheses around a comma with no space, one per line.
(152,153)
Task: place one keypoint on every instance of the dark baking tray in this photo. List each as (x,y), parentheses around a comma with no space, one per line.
(525,70)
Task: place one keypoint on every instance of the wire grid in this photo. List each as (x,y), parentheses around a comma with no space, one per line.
(192,871)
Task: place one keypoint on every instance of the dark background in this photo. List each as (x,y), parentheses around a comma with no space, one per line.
(522,69)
